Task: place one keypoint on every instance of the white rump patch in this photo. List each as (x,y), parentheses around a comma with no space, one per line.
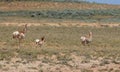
(83,38)
(37,40)
(16,33)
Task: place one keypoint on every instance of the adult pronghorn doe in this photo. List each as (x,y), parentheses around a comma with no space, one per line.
(20,34)
(40,42)
(86,39)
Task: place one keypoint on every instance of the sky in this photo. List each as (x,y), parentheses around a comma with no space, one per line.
(115,2)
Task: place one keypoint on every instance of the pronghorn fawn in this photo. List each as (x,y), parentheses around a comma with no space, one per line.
(40,42)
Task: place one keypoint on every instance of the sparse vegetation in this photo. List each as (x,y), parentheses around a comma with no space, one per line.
(83,15)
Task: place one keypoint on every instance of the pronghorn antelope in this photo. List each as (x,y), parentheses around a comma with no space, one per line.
(86,39)
(20,34)
(40,42)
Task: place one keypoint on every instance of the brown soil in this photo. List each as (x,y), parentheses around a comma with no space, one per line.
(77,64)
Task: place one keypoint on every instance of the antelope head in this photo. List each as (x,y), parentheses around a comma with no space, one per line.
(25,28)
(43,38)
(90,35)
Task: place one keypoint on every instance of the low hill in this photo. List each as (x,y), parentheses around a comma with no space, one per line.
(53,11)
(35,5)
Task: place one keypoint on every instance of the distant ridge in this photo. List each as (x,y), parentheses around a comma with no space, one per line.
(47,0)
(33,5)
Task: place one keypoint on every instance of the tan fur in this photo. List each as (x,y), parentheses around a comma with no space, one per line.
(41,41)
(87,39)
(20,34)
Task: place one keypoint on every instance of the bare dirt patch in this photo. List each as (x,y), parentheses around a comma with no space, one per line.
(52,63)
(66,24)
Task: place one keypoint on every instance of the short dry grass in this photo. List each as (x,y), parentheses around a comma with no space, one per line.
(62,50)
(106,42)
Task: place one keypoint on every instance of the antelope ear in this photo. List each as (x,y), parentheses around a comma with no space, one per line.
(43,38)
(90,32)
